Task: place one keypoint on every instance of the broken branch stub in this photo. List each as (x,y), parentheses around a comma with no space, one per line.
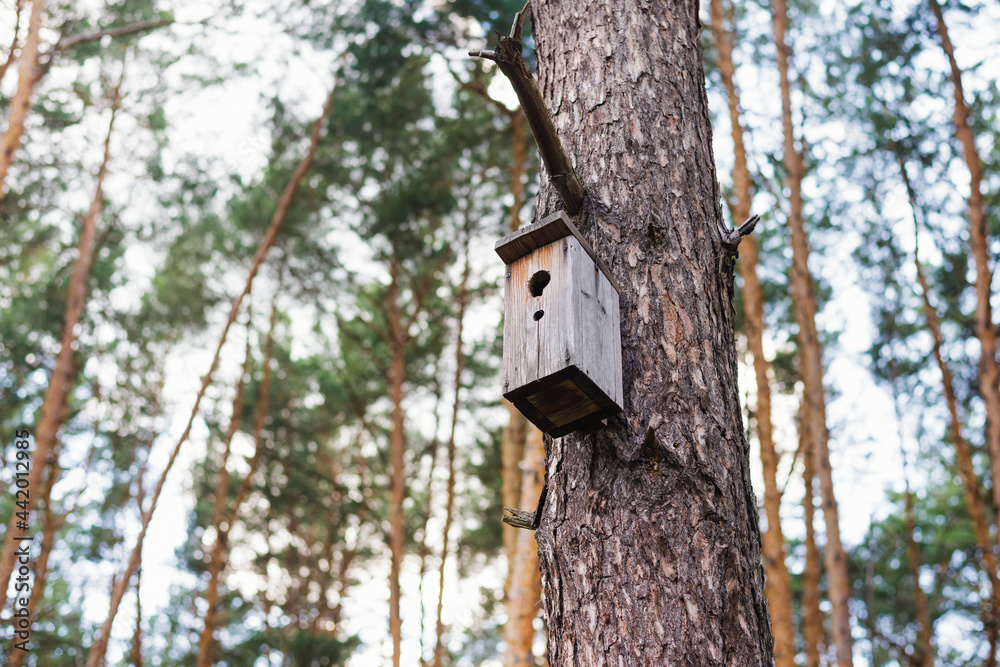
(507,56)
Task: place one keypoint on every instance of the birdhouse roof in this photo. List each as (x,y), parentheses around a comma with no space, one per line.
(550,229)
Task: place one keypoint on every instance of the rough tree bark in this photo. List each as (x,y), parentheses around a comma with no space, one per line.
(989,370)
(777,582)
(649,542)
(64,371)
(804,298)
(20,104)
(100,645)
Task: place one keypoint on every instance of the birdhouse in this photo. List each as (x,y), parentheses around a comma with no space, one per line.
(562,358)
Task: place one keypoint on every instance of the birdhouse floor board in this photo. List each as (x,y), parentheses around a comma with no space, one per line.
(563,402)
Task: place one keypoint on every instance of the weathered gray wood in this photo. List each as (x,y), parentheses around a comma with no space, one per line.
(548,230)
(562,349)
(599,345)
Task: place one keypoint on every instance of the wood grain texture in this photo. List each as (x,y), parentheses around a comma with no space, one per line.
(649,543)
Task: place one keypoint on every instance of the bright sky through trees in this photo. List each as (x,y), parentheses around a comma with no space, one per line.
(216,110)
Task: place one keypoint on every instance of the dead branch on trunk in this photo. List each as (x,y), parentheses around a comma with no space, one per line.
(507,56)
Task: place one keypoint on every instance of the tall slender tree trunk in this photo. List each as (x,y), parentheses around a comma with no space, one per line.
(220,551)
(992,633)
(463,300)
(518,165)
(397,450)
(812,616)
(100,645)
(526,585)
(649,540)
(219,514)
(924,651)
(989,370)
(20,104)
(423,549)
(838,581)
(777,582)
(511,453)
(524,464)
(137,633)
(512,444)
(963,451)
(64,372)
(51,524)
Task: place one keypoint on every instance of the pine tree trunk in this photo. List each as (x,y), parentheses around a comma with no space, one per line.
(524,466)
(649,541)
(924,655)
(51,524)
(511,453)
(397,473)
(992,633)
(512,445)
(64,372)
(989,370)
(463,300)
(777,581)
(963,451)
(526,584)
(219,514)
(137,633)
(20,104)
(812,616)
(804,298)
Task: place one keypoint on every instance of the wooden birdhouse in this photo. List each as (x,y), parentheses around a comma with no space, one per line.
(562,359)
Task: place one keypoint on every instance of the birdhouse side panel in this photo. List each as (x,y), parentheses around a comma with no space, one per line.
(539,321)
(598,324)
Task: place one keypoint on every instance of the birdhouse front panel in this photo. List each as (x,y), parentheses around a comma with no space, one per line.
(562,338)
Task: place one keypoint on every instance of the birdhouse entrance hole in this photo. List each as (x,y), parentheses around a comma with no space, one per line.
(537,284)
